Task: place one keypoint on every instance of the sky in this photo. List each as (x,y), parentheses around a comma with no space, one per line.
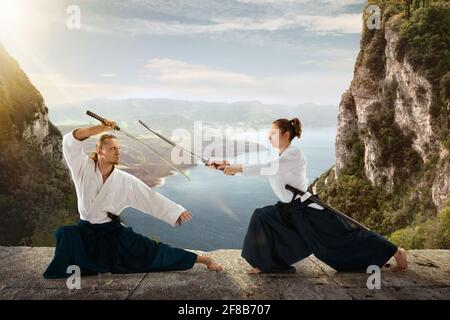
(272,51)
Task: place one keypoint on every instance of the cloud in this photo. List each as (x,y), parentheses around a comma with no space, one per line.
(343,24)
(343,3)
(168,70)
(200,82)
(174,79)
(321,3)
(286,29)
(108,75)
(156,17)
(60,89)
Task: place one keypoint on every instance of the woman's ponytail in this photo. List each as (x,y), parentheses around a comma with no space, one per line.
(294,127)
(297,125)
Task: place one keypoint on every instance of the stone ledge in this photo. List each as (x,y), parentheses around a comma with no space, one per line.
(21,271)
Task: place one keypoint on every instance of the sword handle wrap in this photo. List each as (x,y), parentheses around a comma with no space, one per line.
(102,120)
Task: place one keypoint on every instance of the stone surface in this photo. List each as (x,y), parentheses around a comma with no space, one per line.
(428,277)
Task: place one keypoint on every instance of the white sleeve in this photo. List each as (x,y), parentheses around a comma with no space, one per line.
(281,165)
(143,198)
(73,151)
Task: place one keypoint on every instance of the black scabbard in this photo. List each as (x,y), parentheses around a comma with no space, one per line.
(316,200)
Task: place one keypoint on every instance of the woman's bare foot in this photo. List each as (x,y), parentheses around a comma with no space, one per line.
(254,271)
(401,259)
(209,263)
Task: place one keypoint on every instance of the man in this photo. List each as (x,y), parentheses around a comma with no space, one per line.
(100,243)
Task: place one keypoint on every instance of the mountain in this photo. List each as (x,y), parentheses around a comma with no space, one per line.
(172,114)
(392,167)
(35,187)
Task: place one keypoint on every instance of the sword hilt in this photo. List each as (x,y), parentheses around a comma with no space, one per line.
(215,165)
(294,190)
(102,120)
(206,162)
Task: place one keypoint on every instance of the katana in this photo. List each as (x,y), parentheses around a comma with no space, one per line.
(173,143)
(306,195)
(117,128)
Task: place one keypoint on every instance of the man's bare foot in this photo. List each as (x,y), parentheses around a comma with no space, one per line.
(213,266)
(401,259)
(209,263)
(254,271)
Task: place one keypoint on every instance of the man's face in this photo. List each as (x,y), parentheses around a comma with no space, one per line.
(110,151)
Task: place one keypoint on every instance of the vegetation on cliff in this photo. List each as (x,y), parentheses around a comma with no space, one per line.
(407,212)
(35,188)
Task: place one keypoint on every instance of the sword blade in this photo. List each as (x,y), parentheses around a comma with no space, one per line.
(103,120)
(155,152)
(171,142)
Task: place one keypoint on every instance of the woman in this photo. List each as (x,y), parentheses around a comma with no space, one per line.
(282,234)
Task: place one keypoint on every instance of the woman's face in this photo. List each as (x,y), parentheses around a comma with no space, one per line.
(276,138)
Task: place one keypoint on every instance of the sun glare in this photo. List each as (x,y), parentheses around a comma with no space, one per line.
(11,13)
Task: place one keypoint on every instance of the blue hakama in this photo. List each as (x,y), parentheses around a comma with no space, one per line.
(283,234)
(111,247)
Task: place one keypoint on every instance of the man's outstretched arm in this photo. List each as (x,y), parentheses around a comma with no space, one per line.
(143,198)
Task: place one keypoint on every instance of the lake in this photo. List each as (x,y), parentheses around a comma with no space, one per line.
(222,205)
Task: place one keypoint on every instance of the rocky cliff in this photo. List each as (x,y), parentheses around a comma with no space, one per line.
(392,144)
(35,189)
(24,114)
